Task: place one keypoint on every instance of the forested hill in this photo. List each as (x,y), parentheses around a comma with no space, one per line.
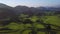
(37,10)
(27,10)
(6,11)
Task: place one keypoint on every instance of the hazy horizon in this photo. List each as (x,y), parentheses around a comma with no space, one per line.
(31,3)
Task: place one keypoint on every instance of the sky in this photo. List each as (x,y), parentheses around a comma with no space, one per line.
(31,3)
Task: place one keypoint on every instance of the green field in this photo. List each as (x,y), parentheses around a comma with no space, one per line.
(20,28)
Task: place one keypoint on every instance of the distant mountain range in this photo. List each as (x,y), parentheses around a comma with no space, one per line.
(26,10)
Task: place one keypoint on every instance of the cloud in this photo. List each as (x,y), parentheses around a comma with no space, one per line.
(31,3)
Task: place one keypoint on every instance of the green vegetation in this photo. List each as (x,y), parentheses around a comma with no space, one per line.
(51,19)
(55,20)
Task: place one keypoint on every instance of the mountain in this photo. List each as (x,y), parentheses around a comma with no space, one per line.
(21,9)
(4,6)
(49,8)
(6,12)
(36,11)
